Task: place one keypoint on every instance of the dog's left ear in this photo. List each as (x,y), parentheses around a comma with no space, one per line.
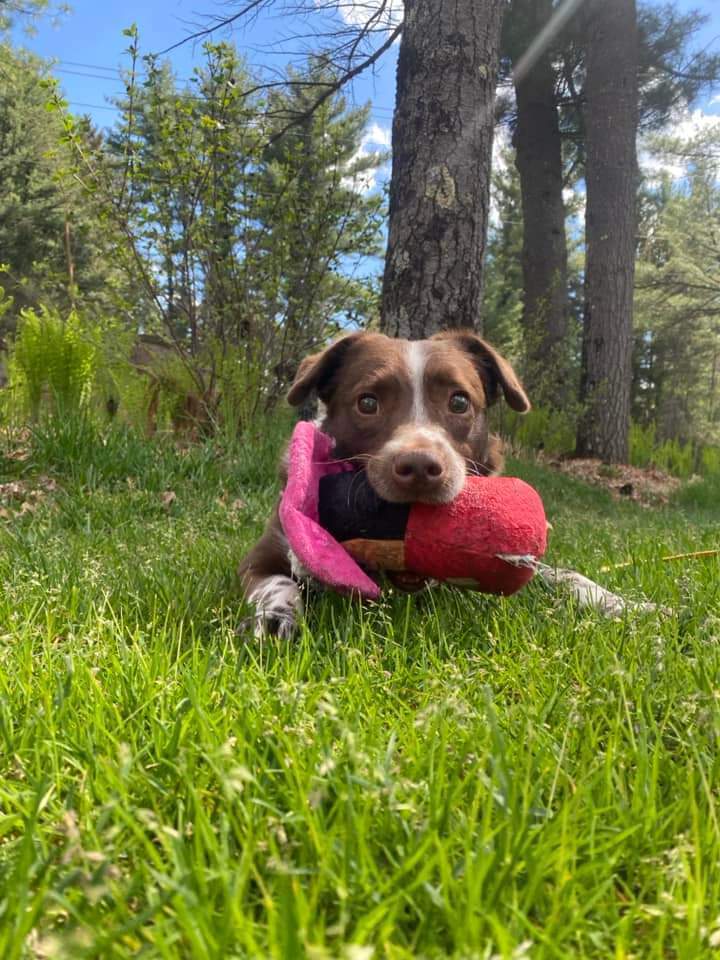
(496,373)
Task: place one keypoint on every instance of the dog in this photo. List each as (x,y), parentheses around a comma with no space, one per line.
(412,413)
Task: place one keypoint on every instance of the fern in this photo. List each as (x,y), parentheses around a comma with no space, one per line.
(53,362)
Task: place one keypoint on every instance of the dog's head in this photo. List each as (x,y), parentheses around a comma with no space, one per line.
(412,412)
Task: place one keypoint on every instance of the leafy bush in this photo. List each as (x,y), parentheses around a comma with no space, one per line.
(710,462)
(6,301)
(670,455)
(246,389)
(554,432)
(680,459)
(62,368)
(541,429)
(701,493)
(642,444)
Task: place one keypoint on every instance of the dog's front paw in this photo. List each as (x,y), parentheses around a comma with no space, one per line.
(278,607)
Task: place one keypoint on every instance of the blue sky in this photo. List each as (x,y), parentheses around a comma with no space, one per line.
(88,45)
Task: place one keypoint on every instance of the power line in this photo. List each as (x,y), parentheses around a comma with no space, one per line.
(112,72)
(377,112)
(91,106)
(89,76)
(138,107)
(89,66)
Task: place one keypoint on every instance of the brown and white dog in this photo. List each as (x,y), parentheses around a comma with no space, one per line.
(412,414)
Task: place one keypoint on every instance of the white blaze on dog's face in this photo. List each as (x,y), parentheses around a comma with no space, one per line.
(412,412)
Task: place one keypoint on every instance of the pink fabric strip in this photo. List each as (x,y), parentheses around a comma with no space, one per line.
(309,460)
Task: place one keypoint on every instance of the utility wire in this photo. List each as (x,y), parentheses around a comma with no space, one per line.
(376,111)
(137,107)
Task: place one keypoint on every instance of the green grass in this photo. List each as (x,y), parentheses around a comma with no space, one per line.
(453,775)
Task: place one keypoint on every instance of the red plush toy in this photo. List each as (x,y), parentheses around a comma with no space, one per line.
(488,537)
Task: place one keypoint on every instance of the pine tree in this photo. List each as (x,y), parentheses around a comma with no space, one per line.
(611,118)
(539,158)
(318,221)
(502,297)
(53,246)
(254,232)
(20,14)
(548,122)
(677,330)
(442,147)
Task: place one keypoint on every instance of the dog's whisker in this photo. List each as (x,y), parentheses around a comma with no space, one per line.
(353,484)
(361,457)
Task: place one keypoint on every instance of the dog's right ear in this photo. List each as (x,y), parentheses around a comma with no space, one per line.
(318,371)
(496,373)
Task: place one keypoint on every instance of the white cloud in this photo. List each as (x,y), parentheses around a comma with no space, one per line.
(359,12)
(655,166)
(501,158)
(685,128)
(501,153)
(377,139)
(693,124)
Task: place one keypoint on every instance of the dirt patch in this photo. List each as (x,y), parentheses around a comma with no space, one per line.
(647,486)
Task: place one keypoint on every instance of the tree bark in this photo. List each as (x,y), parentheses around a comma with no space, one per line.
(442,152)
(611,93)
(538,157)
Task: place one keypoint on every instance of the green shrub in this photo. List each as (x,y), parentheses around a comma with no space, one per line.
(680,459)
(710,462)
(244,389)
(643,440)
(674,457)
(701,493)
(64,367)
(554,432)
(541,429)
(6,301)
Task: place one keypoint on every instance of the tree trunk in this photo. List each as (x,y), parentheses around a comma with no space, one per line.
(442,151)
(538,157)
(610,224)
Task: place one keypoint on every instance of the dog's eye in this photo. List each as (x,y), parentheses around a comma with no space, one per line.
(459,403)
(367,404)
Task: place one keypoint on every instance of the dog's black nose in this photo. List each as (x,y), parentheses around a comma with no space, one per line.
(417,469)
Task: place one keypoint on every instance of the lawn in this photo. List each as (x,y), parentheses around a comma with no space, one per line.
(452,775)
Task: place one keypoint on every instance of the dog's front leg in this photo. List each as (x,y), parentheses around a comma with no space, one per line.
(268,585)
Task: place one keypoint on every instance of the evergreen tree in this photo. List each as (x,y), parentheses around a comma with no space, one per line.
(676,382)
(318,223)
(253,232)
(502,298)
(610,223)
(442,148)
(53,247)
(20,14)
(549,114)
(539,158)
